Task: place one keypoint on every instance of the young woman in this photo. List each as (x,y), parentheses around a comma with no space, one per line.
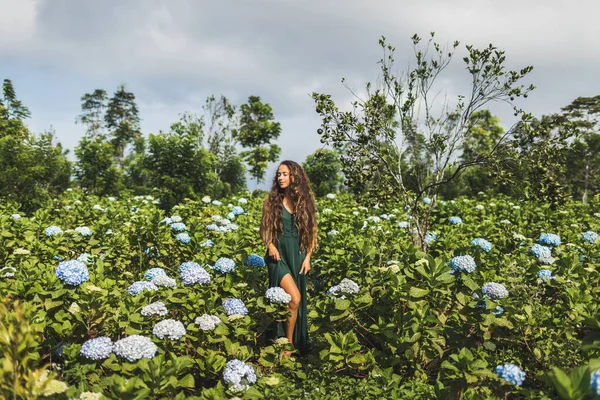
(289,230)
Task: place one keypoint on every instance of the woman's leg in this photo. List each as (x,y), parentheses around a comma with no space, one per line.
(288,284)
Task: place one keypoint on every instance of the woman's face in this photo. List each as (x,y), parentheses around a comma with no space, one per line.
(283,176)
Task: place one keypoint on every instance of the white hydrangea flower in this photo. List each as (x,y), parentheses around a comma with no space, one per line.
(207,322)
(206,199)
(330,196)
(156,308)
(169,329)
(164,281)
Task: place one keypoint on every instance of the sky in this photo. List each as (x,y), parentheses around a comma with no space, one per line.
(173,54)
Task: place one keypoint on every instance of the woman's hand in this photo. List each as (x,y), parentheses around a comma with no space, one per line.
(274,253)
(305,266)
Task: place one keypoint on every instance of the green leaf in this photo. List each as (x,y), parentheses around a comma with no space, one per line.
(418,292)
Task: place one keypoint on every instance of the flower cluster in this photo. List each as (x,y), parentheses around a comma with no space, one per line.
(332,232)
(135,347)
(330,196)
(216,203)
(254,260)
(546,260)
(463,264)
(590,237)
(192,274)
(207,243)
(545,275)
(595,382)
(83,231)
(97,349)
(455,220)
(483,244)
(53,230)
(234,306)
(430,237)
(403,224)
(169,329)
(207,322)
(156,308)
(277,295)
(346,286)
(236,372)
(549,239)
(188,264)
(511,373)
(183,237)
(427,200)
(153,273)
(151,252)
(72,272)
(139,286)
(164,281)
(237,210)
(541,251)
(494,290)
(224,265)
(178,227)
(15,217)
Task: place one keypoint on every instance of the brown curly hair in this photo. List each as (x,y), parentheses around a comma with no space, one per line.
(305,208)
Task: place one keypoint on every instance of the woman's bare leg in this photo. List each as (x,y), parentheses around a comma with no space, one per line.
(288,284)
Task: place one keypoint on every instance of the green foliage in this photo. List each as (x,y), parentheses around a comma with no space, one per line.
(122,120)
(10,106)
(95,168)
(256,131)
(323,168)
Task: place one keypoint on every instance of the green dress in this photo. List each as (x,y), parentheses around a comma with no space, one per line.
(291,258)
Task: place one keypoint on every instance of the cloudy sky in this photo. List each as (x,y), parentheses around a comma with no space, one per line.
(172,54)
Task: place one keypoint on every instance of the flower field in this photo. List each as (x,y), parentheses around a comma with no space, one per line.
(113,298)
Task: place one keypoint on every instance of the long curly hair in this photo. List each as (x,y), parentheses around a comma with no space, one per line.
(305,208)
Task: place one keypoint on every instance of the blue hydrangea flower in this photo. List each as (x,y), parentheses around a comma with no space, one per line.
(212,227)
(231,216)
(139,286)
(176,218)
(234,306)
(166,220)
(153,273)
(430,237)
(237,210)
(53,230)
(494,290)
(224,265)
(207,243)
(426,200)
(85,258)
(463,264)
(595,382)
(254,260)
(188,264)
(455,220)
(332,232)
(549,239)
(72,272)
(511,373)
(178,227)
(236,373)
(403,224)
(545,275)
(97,349)
(483,244)
(183,237)
(83,231)
(216,203)
(499,310)
(590,237)
(194,274)
(277,295)
(169,329)
(541,251)
(135,347)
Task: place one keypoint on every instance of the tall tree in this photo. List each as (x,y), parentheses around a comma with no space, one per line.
(122,121)
(583,159)
(93,106)
(95,168)
(365,127)
(257,130)
(10,106)
(324,169)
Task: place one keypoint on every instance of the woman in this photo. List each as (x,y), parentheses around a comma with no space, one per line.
(289,230)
